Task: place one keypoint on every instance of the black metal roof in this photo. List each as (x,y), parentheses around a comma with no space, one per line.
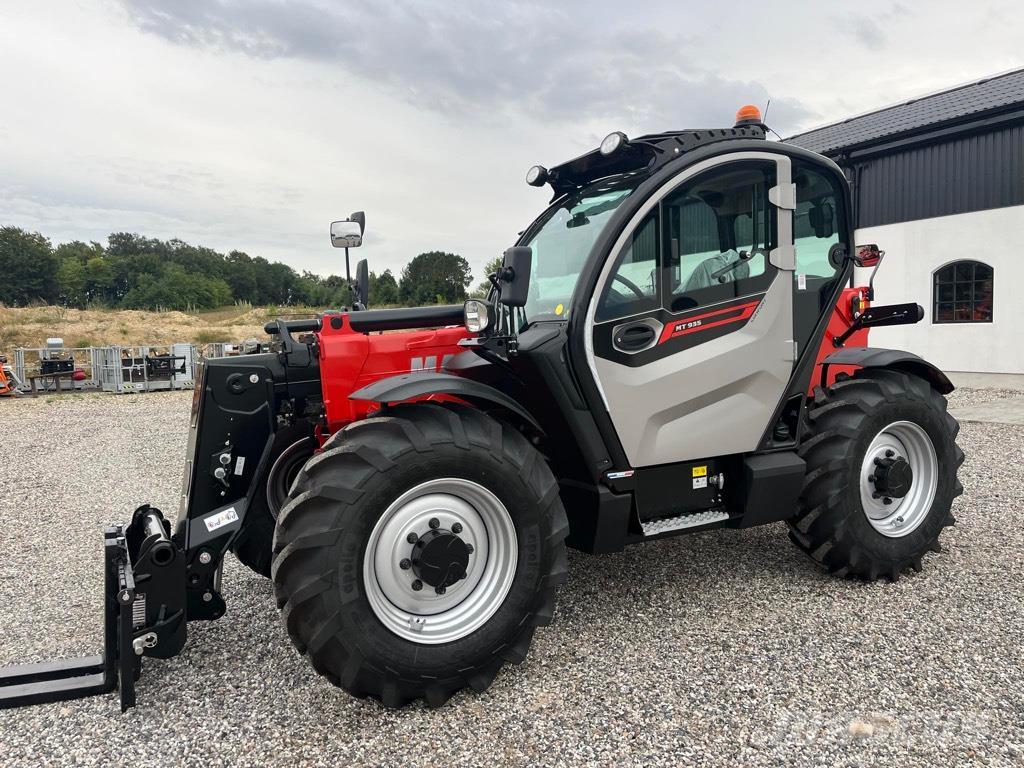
(648,152)
(982,98)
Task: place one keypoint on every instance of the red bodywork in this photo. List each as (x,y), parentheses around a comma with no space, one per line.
(840,319)
(351,359)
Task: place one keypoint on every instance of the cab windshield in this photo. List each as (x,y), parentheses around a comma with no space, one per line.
(561,241)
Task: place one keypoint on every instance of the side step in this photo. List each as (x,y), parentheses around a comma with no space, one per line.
(688,520)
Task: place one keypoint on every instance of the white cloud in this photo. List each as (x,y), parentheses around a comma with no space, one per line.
(252,125)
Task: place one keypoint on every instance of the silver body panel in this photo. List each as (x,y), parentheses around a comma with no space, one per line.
(715,398)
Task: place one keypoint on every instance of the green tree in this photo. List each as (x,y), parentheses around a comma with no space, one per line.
(383,289)
(484,286)
(176,288)
(99,280)
(84,275)
(71,283)
(314,291)
(435,277)
(241,276)
(28,267)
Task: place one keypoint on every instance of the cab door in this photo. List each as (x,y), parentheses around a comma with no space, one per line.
(690,328)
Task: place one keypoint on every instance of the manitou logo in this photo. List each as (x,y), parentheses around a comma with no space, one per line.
(428,363)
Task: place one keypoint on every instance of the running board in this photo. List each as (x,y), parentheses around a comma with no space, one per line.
(688,520)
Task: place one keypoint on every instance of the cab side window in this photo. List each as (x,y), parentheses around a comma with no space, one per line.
(720,230)
(818,224)
(633,286)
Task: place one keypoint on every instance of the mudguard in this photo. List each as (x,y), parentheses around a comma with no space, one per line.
(413,386)
(874,357)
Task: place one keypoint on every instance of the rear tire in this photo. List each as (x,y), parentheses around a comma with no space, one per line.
(343,599)
(844,521)
(293,447)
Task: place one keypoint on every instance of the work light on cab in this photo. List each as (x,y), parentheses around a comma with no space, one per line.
(477,316)
(536,176)
(613,142)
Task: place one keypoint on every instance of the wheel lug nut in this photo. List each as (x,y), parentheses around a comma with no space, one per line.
(889,454)
(456,527)
(440,590)
(871,478)
(417,585)
(887,500)
(469,548)
(434,523)
(406,564)
(412,538)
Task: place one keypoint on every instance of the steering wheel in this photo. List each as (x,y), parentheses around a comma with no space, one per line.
(631,285)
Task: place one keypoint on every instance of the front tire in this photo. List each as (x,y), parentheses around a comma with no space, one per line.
(419,552)
(881,475)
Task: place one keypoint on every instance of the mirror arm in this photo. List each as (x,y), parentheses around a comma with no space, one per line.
(871,280)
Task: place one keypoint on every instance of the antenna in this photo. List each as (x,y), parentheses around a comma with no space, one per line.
(764,119)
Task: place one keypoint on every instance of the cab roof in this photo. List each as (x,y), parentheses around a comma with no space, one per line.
(647,153)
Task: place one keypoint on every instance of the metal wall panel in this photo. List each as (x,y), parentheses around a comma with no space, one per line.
(967,173)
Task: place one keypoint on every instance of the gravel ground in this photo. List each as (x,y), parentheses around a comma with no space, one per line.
(724,648)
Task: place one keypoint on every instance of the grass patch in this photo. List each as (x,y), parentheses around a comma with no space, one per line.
(210,336)
(29,327)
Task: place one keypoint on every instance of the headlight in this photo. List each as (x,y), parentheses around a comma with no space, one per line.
(613,142)
(477,316)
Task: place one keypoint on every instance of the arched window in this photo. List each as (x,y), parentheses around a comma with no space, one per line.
(962,293)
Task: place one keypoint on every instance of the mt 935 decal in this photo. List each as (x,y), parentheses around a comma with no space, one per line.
(707,320)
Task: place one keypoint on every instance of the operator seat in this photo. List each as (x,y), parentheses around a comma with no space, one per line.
(702,275)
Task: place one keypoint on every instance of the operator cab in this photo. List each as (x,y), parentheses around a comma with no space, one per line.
(667,300)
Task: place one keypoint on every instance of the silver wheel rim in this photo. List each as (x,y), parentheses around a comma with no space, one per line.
(907,440)
(425,616)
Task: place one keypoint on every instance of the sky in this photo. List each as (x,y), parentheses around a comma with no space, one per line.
(251,124)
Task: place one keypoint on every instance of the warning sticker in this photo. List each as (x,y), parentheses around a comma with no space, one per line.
(220,519)
(700,482)
(700,471)
(801,282)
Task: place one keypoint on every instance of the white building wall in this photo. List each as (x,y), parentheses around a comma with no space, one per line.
(915,249)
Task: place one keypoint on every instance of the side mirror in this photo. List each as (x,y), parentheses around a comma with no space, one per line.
(346,234)
(362,283)
(359,218)
(867,255)
(514,276)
